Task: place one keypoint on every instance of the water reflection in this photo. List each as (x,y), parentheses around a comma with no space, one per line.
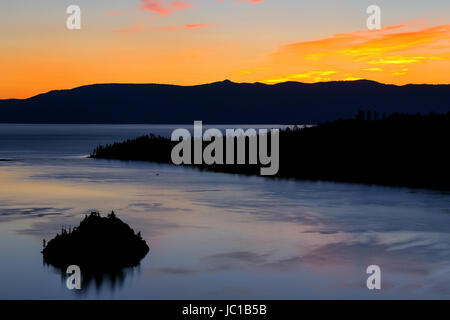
(216,236)
(95,281)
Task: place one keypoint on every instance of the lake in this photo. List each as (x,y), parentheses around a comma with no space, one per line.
(213,235)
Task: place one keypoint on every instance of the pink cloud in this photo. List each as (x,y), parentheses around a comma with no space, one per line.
(164,7)
(136,28)
(186,26)
(251,1)
(142,28)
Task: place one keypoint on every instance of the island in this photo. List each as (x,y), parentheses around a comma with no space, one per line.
(98,244)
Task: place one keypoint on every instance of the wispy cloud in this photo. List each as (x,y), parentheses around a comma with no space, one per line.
(186,26)
(361,54)
(143,28)
(164,7)
(251,1)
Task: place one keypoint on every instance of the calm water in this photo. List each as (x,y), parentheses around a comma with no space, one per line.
(212,235)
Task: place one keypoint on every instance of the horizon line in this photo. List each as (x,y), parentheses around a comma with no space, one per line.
(223,81)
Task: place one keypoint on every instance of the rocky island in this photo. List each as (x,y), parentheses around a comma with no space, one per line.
(98,244)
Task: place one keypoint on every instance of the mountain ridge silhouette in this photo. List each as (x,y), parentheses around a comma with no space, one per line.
(224,102)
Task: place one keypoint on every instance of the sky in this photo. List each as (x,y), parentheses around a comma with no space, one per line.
(190,42)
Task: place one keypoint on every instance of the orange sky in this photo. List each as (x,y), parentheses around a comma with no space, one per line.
(398,54)
(181,42)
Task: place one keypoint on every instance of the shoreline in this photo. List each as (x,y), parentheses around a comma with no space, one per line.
(398,151)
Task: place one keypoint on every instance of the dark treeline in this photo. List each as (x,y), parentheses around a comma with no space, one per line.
(398,150)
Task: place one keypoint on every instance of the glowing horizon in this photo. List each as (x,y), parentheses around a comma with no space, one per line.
(196,42)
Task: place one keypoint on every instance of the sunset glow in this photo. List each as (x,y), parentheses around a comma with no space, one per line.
(194,42)
(400,54)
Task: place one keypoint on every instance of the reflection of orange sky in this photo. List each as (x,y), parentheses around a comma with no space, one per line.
(407,53)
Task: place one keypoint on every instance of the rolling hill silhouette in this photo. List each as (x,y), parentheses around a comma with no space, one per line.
(224,102)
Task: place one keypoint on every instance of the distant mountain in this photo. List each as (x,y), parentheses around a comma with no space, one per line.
(224,102)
